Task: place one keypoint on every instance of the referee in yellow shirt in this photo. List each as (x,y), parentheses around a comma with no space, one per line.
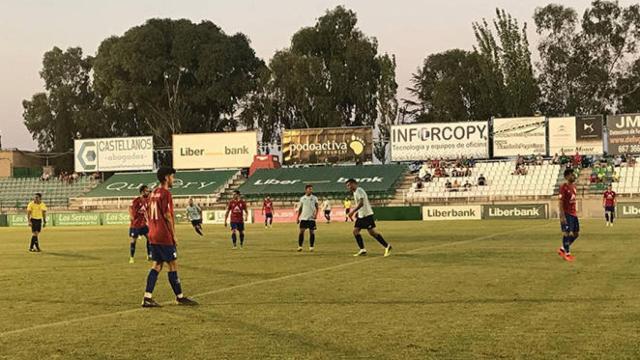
(37,215)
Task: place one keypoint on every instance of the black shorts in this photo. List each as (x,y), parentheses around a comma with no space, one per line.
(163,253)
(327,212)
(135,232)
(36,225)
(268,215)
(195,223)
(347,211)
(308,224)
(611,209)
(367,222)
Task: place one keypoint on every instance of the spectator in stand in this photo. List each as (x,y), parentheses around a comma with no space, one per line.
(631,161)
(455,186)
(555,160)
(539,159)
(427,177)
(467,171)
(615,177)
(417,184)
(438,172)
(423,172)
(521,170)
(467,185)
(577,160)
(482,181)
(618,161)
(472,162)
(519,161)
(564,159)
(602,173)
(448,185)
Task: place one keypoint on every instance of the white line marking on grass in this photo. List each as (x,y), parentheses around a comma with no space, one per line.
(259,282)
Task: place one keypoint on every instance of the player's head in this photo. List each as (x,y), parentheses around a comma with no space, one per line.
(267,198)
(570,176)
(308,189)
(37,197)
(144,191)
(352,184)
(236,195)
(190,201)
(165,176)
(610,187)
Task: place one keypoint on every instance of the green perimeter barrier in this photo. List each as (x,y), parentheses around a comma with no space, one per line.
(628,210)
(114,218)
(3,220)
(17,220)
(515,211)
(76,219)
(398,213)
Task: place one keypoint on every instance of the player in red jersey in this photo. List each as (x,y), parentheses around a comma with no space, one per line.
(568,215)
(162,239)
(238,210)
(267,211)
(609,203)
(138,217)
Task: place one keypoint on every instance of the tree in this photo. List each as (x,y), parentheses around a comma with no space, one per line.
(387,105)
(507,51)
(329,76)
(584,63)
(173,76)
(67,108)
(455,85)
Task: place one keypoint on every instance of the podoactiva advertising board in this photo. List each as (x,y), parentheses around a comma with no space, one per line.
(427,141)
(461,212)
(519,136)
(581,133)
(328,145)
(214,150)
(624,134)
(113,154)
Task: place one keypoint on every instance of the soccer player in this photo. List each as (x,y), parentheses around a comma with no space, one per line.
(609,204)
(568,215)
(194,214)
(138,226)
(162,239)
(37,216)
(365,219)
(347,209)
(238,210)
(267,211)
(306,217)
(326,208)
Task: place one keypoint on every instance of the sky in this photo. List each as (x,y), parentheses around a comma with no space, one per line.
(410,29)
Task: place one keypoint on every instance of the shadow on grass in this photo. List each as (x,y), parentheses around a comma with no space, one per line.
(70,255)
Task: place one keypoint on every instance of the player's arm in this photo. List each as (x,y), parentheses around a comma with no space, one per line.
(29,215)
(246,213)
(298,212)
(171,224)
(131,212)
(226,215)
(563,219)
(358,206)
(44,218)
(315,212)
(263,205)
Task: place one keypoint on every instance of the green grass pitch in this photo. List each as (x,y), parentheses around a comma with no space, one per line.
(451,290)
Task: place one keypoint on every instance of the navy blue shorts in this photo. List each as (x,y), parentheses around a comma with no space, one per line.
(237,226)
(572,225)
(308,224)
(268,215)
(195,223)
(610,209)
(135,232)
(163,253)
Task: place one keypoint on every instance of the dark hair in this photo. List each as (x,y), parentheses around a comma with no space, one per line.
(163,172)
(236,192)
(308,186)
(568,172)
(143,188)
(39,195)
(352,180)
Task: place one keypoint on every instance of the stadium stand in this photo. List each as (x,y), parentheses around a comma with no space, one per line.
(17,192)
(119,189)
(288,183)
(501,183)
(629,181)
